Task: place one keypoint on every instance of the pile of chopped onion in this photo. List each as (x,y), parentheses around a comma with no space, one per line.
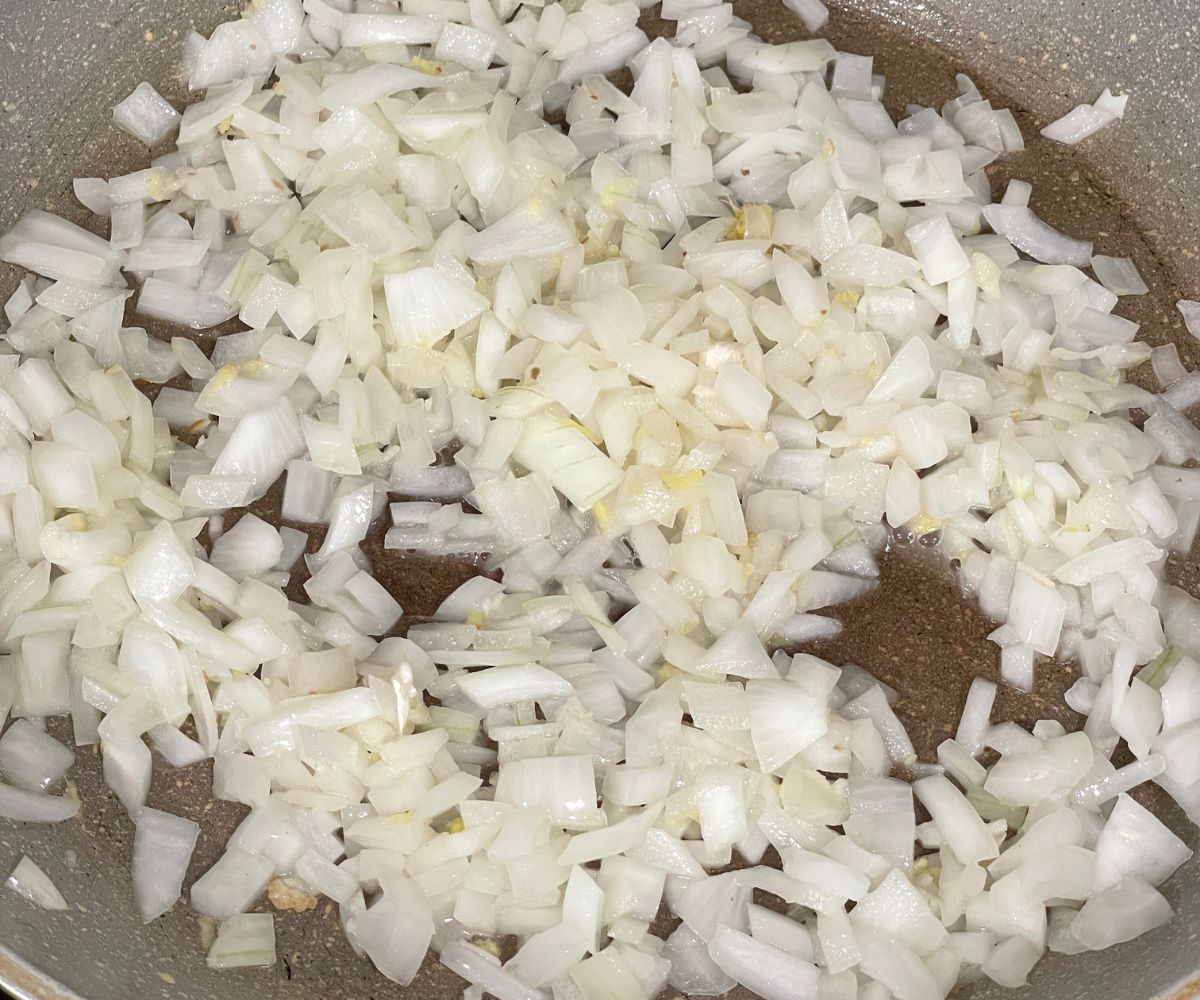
(674,371)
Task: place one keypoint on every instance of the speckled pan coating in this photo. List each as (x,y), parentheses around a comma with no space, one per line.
(1135,187)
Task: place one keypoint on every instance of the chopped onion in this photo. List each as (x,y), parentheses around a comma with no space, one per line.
(771,973)
(28,881)
(670,374)
(812,13)
(1190,311)
(231,885)
(784,720)
(162,849)
(1086,119)
(1120,913)
(243,941)
(1027,232)
(30,807)
(32,759)
(394,931)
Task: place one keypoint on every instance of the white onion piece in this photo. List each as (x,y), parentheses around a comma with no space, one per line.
(127,769)
(175,303)
(477,966)
(175,748)
(564,786)
(232,884)
(28,881)
(425,306)
(1125,911)
(1123,556)
(1190,311)
(92,194)
(245,940)
(1086,119)
(1011,961)
(692,969)
(249,548)
(1119,275)
(962,829)
(29,807)
(1168,369)
(771,973)
(561,452)
(162,849)
(548,955)
(1027,232)
(31,758)
(326,877)
(394,931)
(975,720)
(812,13)
(506,685)
(1134,843)
(783,721)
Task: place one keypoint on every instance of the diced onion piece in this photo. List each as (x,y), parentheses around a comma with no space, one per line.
(162,849)
(559,449)
(30,882)
(30,807)
(1086,119)
(1027,232)
(245,940)
(31,758)
(771,973)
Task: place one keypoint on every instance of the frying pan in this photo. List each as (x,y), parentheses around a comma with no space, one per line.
(1135,188)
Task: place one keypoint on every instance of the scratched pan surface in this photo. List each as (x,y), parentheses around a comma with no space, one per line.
(1136,188)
